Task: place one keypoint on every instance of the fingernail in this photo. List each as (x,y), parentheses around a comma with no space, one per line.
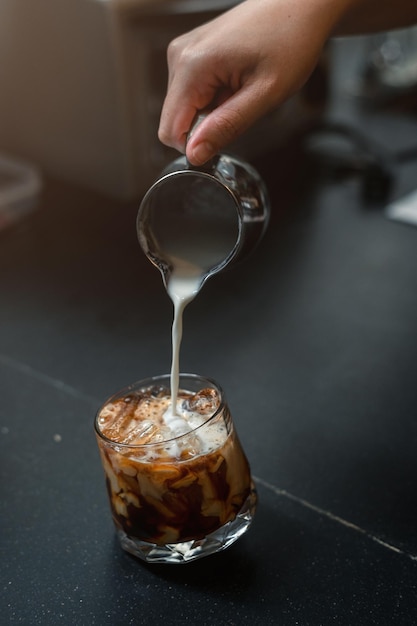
(201,153)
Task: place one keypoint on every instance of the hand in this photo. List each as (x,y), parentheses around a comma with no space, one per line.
(241,65)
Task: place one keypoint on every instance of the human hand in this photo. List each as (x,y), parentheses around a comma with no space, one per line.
(240,66)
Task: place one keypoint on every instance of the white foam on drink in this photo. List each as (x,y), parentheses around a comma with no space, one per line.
(189,425)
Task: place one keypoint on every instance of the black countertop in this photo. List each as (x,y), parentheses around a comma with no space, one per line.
(314,339)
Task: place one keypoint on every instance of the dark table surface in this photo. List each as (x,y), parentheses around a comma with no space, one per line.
(314,339)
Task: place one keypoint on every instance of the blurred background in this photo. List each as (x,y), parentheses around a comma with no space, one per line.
(82,84)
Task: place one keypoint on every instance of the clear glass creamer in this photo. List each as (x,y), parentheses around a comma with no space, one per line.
(207,217)
(177,498)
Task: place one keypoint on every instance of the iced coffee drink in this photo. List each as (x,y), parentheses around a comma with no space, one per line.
(178,480)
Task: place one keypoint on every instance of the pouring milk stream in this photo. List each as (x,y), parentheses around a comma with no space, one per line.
(183,284)
(192,223)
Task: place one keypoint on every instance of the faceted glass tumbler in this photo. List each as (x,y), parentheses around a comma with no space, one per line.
(179,499)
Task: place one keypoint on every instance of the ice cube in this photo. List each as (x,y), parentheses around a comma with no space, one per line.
(204,402)
(115,418)
(140,432)
(164,434)
(190,446)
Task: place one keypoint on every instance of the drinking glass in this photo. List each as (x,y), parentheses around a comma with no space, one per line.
(177,499)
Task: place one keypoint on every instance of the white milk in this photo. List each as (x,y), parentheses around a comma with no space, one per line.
(207,251)
(183,285)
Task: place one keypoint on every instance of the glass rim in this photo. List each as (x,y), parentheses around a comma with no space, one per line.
(140,384)
(154,255)
(209,176)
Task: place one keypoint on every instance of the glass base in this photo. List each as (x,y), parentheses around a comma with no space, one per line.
(187,551)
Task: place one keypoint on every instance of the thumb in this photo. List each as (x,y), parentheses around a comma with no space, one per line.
(218,129)
(226,123)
